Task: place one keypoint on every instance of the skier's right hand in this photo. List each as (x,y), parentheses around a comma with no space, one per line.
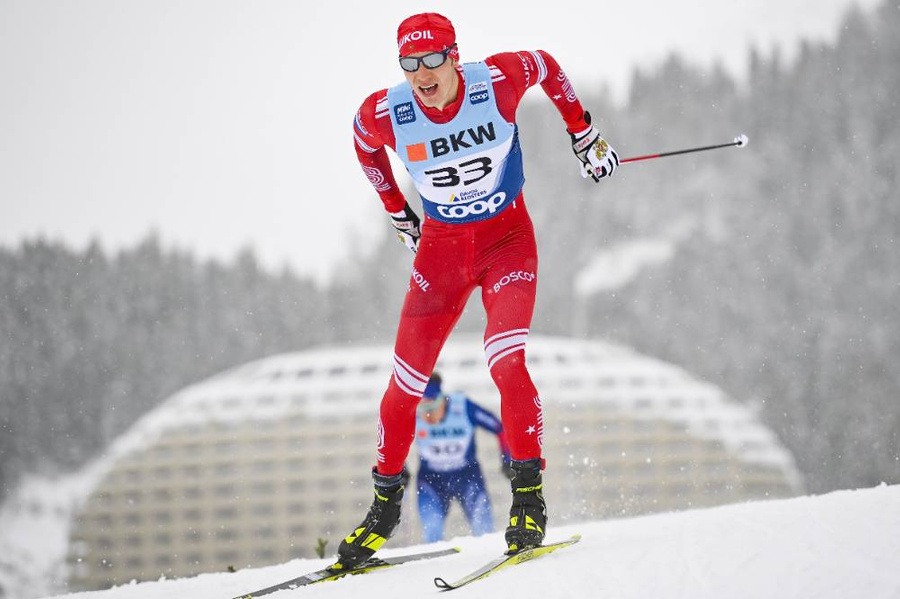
(407,225)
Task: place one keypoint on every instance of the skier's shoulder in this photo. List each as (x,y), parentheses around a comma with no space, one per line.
(371,124)
(375,106)
(523,64)
(472,408)
(480,415)
(458,399)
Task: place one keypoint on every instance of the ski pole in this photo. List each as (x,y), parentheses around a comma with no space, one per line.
(740,141)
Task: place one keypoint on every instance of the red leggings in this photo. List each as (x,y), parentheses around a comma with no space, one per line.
(500,256)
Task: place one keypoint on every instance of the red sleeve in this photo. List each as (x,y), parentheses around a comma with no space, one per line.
(372,131)
(512,73)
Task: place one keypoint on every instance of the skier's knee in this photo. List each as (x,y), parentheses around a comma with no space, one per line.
(509,369)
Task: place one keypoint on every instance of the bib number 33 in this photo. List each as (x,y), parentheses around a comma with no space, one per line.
(468,172)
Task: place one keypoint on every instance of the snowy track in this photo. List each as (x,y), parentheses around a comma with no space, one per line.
(845,544)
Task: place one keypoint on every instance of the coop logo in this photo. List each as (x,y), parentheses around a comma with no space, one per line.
(415,36)
(475,208)
(404,113)
(464,139)
(519,275)
(478,92)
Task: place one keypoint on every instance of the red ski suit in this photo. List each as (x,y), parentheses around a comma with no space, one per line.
(498,254)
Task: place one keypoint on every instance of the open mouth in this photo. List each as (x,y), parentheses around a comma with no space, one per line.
(428,91)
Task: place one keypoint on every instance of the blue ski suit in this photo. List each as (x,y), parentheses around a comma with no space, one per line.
(449,469)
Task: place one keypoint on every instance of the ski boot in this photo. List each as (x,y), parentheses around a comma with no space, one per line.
(378,525)
(528,514)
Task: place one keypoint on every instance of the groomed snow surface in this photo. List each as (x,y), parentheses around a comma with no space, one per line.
(838,546)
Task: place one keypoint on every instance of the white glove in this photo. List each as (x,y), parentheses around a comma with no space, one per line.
(598,158)
(407,225)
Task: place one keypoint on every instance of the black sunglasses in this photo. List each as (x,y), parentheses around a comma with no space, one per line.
(433,60)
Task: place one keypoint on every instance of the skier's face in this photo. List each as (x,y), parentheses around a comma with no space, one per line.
(432,410)
(436,87)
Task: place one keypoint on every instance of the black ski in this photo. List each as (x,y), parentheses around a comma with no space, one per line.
(504,562)
(327,574)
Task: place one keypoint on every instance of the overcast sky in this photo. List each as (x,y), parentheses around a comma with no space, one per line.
(221,123)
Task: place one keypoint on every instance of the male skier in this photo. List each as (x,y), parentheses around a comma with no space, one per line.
(453,126)
(448,466)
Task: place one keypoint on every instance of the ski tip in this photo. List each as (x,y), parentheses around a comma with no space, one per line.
(570,541)
(456,549)
(442,584)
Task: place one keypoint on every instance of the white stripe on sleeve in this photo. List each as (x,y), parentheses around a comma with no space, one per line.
(542,66)
(365,147)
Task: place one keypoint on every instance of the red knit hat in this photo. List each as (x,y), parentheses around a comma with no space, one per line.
(426,32)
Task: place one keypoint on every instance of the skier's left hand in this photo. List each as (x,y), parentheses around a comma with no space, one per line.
(407,224)
(506,468)
(598,158)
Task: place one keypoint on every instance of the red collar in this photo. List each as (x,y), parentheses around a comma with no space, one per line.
(446,114)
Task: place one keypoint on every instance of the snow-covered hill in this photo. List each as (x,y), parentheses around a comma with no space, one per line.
(842,545)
